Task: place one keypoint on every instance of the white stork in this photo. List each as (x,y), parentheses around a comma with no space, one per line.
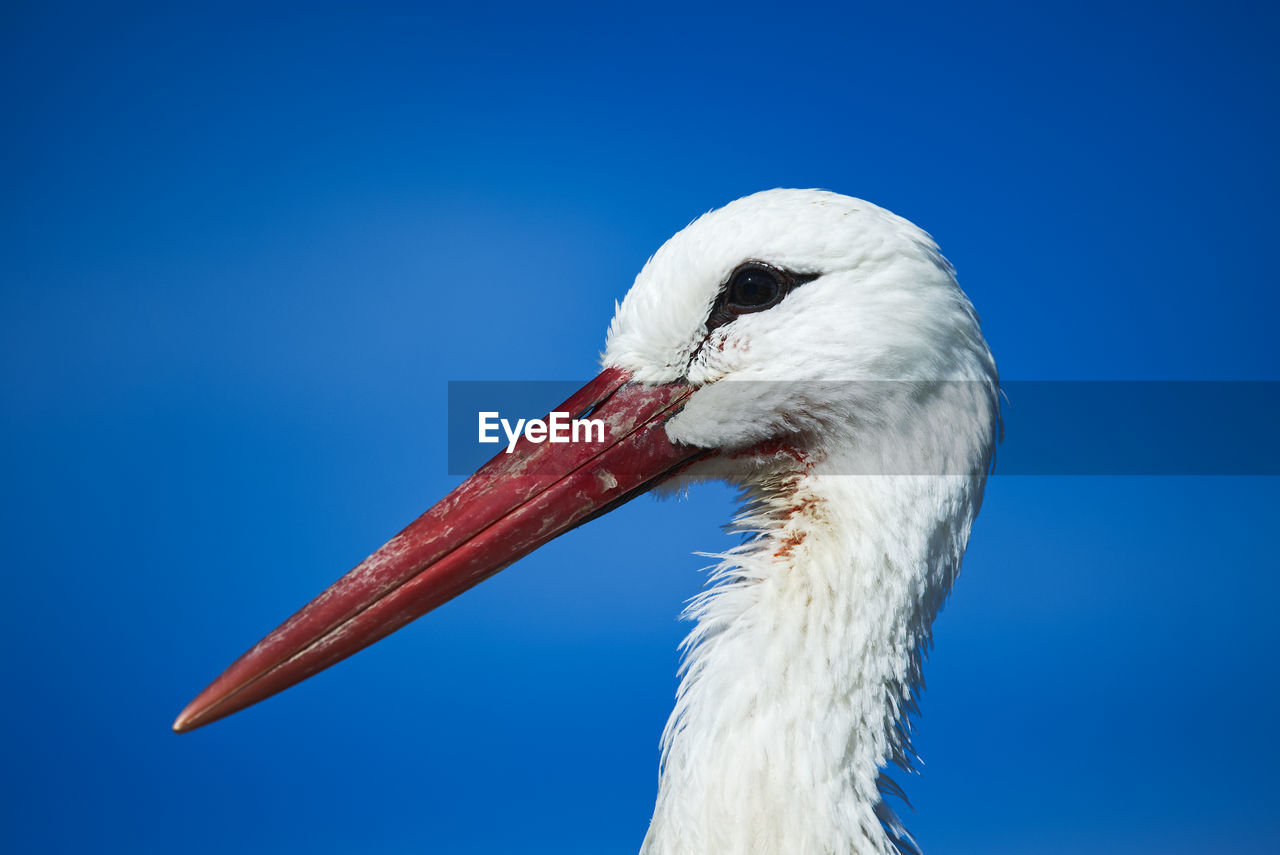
(815,350)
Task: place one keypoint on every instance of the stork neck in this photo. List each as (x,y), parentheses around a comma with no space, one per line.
(802,665)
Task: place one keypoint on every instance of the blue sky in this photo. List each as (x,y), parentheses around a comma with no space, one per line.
(245,252)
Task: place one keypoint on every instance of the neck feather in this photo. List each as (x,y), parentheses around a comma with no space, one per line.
(804,663)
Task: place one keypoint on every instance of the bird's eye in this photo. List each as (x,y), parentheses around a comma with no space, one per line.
(754,287)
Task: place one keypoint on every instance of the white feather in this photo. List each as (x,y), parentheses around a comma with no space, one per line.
(876,395)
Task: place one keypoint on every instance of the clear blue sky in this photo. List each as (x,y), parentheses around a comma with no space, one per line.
(244,252)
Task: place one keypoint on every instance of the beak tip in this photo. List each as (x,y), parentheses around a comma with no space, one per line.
(188,720)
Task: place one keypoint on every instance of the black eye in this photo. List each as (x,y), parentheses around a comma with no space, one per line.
(754,286)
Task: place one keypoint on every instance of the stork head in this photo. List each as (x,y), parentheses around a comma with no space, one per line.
(810,322)
(761,334)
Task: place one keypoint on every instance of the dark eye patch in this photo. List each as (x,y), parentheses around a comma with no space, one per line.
(753,287)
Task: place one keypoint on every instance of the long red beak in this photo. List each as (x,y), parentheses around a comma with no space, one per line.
(515,503)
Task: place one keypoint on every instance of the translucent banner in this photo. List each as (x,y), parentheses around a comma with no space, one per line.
(1049,427)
